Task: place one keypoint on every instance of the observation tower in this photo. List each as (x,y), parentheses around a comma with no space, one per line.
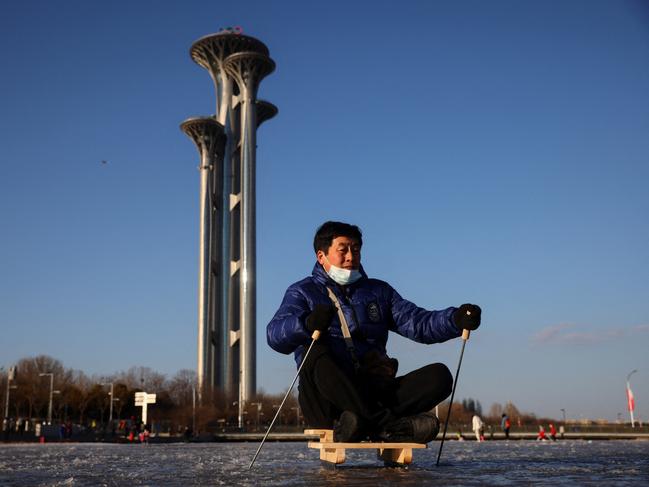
(227,295)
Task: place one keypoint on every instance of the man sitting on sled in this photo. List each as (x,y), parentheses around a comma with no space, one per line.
(348,382)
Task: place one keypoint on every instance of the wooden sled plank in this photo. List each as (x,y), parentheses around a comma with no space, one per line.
(401,456)
(365,445)
(325,435)
(334,453)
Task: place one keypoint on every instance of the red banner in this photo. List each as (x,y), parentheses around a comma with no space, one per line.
(630,399)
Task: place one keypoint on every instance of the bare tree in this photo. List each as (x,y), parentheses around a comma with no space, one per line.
(496,410)
(511,410)
(32,389)
(84,385)
(181,387)
(71,398)
(3,387)
(142,378)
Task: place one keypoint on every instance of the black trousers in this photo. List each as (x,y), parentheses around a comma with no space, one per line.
(325,391)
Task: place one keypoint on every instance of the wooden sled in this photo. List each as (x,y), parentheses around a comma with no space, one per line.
(334,453)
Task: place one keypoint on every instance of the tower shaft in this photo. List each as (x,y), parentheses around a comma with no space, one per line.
(208,136)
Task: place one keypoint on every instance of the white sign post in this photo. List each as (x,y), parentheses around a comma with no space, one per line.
(142,399)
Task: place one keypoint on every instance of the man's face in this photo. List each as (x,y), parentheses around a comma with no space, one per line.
(344,252)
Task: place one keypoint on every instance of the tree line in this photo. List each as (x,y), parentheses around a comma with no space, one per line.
(85,400)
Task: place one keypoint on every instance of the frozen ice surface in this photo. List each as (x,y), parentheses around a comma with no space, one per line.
(292,464)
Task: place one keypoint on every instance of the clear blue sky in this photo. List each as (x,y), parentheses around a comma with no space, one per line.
(492,152)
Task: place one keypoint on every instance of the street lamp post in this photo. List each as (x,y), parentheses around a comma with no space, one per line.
(55,391)
(562,428)
(110,414)
(49,408)
(118,415)
(629,396)
(10,377)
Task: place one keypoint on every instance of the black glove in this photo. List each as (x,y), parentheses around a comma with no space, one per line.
(467,317)
(320,318)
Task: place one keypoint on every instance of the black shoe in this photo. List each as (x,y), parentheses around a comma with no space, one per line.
(420,428)
(348,428)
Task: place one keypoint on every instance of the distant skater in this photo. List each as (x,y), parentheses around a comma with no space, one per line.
(541,436)
(505,424)
(478,427)
(553,432)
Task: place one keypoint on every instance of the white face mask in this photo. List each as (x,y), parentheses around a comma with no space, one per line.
(343,276)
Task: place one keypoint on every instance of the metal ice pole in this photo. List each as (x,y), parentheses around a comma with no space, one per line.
(314,338)
(465,337)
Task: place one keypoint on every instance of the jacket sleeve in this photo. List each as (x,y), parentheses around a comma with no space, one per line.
(422,325)
(286,331)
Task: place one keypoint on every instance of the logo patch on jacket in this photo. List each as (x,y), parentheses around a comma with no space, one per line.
(373,312)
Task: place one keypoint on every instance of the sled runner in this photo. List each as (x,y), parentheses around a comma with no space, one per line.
(334,453)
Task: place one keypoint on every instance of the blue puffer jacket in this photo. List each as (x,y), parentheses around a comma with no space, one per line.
(371,307)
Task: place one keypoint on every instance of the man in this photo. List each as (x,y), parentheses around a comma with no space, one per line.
(478,427)
(348,382)
(541,436)
(505,424)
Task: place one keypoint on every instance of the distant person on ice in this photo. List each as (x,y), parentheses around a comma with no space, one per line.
(350,384)
(541,436)
(505,424)
(478,427)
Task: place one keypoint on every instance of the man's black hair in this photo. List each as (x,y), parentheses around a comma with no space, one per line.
(330,230)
